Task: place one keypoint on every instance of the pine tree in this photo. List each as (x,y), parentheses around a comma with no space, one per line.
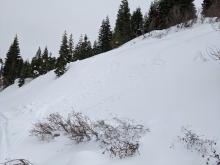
(137,23)
(45,61)
(60,66)
(1,73)
(206,6)
(71,55)
(151,20)
(166,13)
(51,62)
(36,64)
(78,49)
(122,32)
(64,49)
(13,63)
(83,48)
(25,73)
(211,8)
(96,48)
(105,36)
(64,57)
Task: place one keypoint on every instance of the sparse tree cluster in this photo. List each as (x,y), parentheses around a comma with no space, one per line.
(15,67)
(166,13)
(119,140)
(162,14)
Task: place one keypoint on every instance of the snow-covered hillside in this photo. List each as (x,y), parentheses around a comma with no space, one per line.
(164,81)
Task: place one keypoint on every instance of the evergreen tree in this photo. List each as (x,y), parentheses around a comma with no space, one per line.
(206,6)
(25,73)
(105,36)
(64,49)
(64,57)
(166,13)
(60,66)
(13,64)
(137,23)
(1,73)
(211,8)
(71,55)
(36,64)
(83,48)
(96,48)
(45,61)
(122,32)
(151,20)
(51,62)
(78,49)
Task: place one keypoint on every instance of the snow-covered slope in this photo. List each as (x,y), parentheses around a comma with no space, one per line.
(164,81)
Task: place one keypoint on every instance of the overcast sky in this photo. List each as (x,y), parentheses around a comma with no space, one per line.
(42,22)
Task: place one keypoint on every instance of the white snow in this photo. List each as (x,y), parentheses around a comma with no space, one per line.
(163,81)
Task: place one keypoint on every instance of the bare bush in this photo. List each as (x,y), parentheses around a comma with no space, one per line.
(17,162)
(215,54)
(205,147)
(80,127)
(42,130)
(77,126)
(121,140)
(57,122)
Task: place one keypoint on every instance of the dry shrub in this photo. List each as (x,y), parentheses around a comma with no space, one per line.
(80,128)
(205,147)
(17,162)
(120,139)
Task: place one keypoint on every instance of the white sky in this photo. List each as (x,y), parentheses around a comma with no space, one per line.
(42,22)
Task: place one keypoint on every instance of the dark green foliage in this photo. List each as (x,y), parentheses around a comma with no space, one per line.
(151,21)
(96,48)
(122,32)
(13,64)
(211,8)
(166,13)
(71,55)
(42,63)
(60,66)
(51,62)
(64,49)
(105,36)
(36,64)
(25,73)
(45,61)
(1,73)
(83,49)
(137,23)
(66,55)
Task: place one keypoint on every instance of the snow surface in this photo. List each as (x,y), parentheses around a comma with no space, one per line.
(164,81)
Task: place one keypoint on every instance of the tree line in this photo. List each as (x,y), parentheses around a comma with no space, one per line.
(162,14)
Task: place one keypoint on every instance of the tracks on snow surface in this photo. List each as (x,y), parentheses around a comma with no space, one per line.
(3,137)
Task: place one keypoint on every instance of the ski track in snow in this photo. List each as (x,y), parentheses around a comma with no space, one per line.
(3,137)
